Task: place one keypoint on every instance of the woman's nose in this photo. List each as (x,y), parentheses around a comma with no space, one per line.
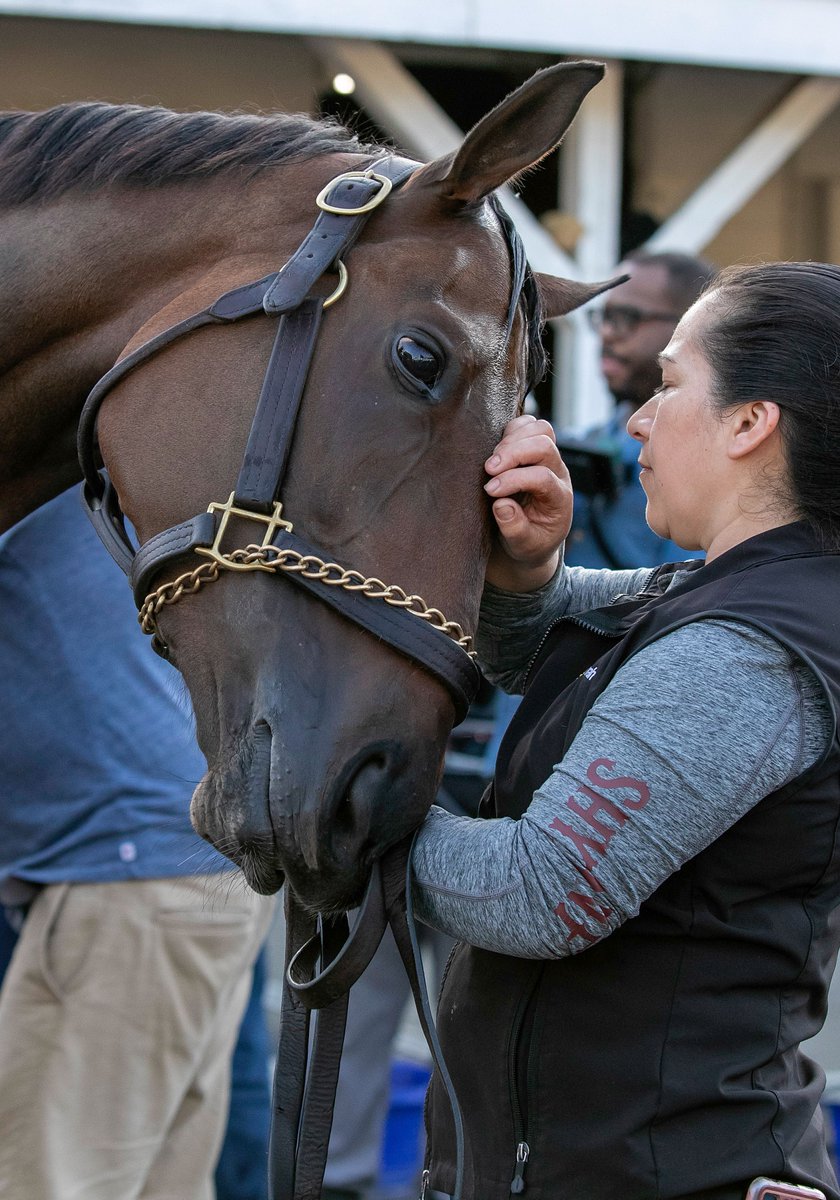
(639,423)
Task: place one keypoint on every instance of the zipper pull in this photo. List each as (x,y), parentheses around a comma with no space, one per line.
(424,1183)
(517,1184)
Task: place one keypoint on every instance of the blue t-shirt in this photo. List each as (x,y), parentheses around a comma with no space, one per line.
(98,759)
(614,533)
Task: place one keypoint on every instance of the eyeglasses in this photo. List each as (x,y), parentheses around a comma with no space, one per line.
(624,319)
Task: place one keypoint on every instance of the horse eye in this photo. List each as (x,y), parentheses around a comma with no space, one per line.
(420,362)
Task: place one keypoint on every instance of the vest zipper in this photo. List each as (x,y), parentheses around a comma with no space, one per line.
(517,1184)
(524,1010)
(575,620)
(424,1184)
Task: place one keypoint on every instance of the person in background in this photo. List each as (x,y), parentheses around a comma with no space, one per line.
(241,1171)
(121,1003)
(635,323)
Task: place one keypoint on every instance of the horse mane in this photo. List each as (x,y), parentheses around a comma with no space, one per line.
(87,146)
(92,145)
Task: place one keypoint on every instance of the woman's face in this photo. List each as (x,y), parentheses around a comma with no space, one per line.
(683,456)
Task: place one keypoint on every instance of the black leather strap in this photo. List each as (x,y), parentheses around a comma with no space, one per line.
(171,543)
(344,955)
(332,234)
(265,458)
(290,1067)
(303,1115)
(107,519)
(243,301)
(273,426)
(396,883)
(319,1099)
(412,636)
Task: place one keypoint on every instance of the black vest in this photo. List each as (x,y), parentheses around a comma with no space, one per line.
(662,1062)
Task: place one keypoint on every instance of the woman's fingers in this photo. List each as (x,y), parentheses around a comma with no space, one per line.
(532,504)
(542,486)
(526,441)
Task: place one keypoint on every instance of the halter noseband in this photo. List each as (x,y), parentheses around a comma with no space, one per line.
(439,645)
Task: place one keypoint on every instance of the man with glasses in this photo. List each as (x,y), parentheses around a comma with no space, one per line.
(635,324)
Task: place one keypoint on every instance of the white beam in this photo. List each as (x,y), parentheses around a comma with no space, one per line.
(748,167)
(398,103)
(796,36)
(391,95)
(591,189)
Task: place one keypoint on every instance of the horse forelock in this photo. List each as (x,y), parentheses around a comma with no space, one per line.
(90,146)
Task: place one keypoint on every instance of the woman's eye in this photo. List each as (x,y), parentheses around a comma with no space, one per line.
(418,361)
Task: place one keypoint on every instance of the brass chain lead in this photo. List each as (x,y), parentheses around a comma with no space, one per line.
(311,567)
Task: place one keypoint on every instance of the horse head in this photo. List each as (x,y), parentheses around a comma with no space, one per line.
(324,744)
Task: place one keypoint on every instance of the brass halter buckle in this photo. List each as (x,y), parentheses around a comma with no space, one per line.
(273,522)
(376,199)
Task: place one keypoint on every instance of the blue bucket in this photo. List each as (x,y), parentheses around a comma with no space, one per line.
(831,1111)
(402,1148)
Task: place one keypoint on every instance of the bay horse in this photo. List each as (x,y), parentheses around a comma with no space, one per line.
(324,744)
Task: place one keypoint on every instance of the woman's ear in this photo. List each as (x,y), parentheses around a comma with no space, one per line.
(751,425)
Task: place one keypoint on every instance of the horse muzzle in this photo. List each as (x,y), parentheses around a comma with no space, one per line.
(283,813)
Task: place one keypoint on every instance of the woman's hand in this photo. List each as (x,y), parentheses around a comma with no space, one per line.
(532,505)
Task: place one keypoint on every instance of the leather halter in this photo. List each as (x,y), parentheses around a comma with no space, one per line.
(346,204)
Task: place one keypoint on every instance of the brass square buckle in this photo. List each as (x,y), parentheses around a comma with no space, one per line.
(273,522)
(376,199)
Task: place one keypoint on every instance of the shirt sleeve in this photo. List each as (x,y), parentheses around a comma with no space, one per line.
(527,615)
(655,774)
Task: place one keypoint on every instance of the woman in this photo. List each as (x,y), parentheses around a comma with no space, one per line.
(649,926)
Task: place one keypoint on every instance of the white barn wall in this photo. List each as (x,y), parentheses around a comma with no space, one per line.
(47,62)
(687,119)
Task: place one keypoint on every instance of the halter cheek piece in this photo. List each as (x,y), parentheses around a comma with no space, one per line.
(438,645)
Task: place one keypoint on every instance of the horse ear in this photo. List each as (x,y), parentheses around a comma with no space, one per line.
(527,125)
(561,296)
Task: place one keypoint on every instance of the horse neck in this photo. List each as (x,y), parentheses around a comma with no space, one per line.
(78,278)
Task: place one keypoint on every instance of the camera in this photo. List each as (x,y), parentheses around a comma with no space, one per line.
(594,464)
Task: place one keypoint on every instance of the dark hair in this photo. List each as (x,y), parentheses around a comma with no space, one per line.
(90,145)
(687,276)
(773,333)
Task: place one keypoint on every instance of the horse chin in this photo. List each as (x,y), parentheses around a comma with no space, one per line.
(263,878)
(329,896)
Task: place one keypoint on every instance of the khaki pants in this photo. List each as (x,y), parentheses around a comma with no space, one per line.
(118,1017)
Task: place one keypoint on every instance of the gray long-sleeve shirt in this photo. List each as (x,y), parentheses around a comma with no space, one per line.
(692,732)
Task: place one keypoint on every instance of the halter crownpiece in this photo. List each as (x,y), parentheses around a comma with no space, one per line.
(404,621)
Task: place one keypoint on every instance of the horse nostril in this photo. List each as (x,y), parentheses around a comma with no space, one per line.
(358,802)
(344,820)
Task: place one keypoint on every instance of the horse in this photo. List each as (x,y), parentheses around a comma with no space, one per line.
(324,744)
